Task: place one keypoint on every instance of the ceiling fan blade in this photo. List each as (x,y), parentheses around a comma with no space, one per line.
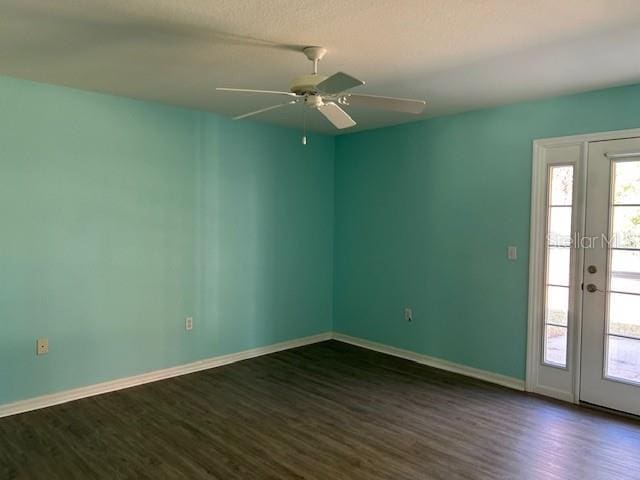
(338,82)
(338,117)
(386,103)
(272,107)
(248,90)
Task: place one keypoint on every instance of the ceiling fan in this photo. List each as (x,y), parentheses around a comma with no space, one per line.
(328,94)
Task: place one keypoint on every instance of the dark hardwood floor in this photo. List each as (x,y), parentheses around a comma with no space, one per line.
(326,411)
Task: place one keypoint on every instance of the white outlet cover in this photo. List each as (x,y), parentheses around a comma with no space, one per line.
(188,323)
(512,252)
(42,346)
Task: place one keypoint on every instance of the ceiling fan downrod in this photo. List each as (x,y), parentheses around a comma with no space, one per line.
(314,54)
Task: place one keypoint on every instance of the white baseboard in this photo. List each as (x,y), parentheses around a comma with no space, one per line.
(553,393)
(29,404)
(491,377)
(119,384)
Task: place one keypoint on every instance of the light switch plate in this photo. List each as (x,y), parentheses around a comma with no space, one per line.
(512,252)
(188,323)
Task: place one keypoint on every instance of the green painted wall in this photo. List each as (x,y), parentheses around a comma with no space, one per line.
(118,218)
(266,231)
(425,212)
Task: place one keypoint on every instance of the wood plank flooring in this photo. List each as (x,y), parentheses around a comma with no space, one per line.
(325,411)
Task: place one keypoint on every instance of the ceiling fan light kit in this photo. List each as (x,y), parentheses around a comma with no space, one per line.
(327,95)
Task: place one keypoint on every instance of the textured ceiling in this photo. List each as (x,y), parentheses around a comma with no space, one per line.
(456,54)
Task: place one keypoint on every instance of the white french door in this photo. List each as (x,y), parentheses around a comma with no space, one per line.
(610,364)
(584,272)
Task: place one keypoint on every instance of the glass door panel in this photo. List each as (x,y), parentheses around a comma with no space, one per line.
(610,351)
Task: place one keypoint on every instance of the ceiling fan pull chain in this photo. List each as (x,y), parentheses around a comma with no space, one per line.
(304,126)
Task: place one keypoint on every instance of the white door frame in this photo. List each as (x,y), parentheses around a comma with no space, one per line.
(560,383)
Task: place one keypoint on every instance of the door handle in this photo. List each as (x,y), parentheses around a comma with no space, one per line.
(591,288)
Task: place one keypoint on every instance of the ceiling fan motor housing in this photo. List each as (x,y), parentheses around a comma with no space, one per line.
(313,101)
(306,84)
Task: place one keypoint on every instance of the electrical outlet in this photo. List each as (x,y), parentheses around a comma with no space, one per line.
(512,252)
(42,346)
(188,323)
(408,314)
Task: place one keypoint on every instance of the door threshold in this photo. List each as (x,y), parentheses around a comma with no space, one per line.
(618,413)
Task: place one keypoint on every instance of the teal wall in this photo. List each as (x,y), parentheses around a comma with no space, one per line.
(118,218)
(266,234)
(425,212)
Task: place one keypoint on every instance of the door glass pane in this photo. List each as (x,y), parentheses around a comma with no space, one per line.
(561,185)
(556,316)
(557,305)
(625,271)
(555,351)
(627,182)
(560,226)
(623,339)
(626,227)
(558,266)
(624,314)
(623,359)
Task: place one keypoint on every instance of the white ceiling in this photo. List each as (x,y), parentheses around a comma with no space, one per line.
(457,54)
